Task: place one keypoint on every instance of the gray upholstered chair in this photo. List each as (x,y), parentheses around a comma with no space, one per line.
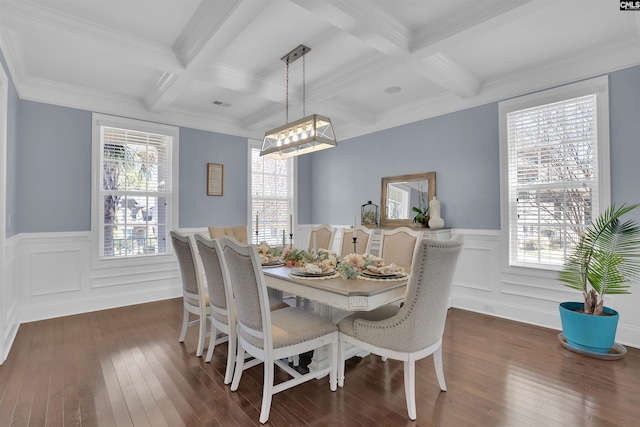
(195,300)
(398,245)
(272,336)
(415,330)
(323,237)
(222,307)
(363,240)
(222,315)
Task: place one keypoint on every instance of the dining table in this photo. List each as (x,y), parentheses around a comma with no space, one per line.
(334,297)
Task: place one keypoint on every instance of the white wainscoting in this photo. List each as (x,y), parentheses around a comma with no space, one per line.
(49,275)
(56,278)
(10,298)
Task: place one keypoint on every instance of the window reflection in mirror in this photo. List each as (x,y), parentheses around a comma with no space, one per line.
(403,196)
(399,194)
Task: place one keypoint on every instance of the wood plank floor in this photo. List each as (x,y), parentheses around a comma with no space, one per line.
(125,367)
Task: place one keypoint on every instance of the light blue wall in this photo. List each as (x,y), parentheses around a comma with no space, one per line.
(49,160)
(462,148)
(54,168)
(12,150)
(304,186)
(197,148)
(624,125)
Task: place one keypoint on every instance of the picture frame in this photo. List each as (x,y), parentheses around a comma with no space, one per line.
(215,179)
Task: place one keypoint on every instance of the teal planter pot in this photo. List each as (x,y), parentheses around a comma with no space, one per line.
(586,332)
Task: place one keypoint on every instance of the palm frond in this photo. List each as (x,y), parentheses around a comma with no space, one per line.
(607,256)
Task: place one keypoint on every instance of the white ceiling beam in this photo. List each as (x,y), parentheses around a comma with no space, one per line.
(364,20)
(449,75)
(471,22)
(200,47)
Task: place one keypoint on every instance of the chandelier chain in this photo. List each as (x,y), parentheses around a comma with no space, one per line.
(286,120)
(304,85)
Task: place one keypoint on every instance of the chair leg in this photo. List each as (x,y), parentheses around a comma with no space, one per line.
(437,362)
(239,368)
(341,362)
(212,343)
(410,386)
(185,325)
(202,335)
(333,381)
(267,391)
(231,359)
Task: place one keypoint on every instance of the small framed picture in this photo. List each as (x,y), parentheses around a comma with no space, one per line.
(215,179)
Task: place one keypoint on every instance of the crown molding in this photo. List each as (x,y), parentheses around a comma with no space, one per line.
(14,56)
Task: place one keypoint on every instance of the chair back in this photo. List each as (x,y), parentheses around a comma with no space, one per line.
(217,278)
(363,238)
(249,292)
(421,319)
(399,245)
(324,237)
(238,232)
(184,249)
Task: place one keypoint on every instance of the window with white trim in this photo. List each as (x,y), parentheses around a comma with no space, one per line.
(555,162)
(135,183)
(272,197)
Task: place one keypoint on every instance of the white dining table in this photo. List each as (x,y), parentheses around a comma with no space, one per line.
(335,298)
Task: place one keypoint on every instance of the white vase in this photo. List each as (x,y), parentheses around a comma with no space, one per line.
(434,210)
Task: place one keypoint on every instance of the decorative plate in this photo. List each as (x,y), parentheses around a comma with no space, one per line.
(273,264)
(300,272)
(369,273)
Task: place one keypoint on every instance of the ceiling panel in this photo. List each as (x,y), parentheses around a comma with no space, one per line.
(168,60)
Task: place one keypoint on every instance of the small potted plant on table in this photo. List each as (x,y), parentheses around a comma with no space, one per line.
(604,262)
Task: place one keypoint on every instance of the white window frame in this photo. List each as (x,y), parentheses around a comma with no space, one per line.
(253,144)
(598,86)
(99,120)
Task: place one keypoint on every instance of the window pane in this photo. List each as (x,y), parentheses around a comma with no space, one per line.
(553,178)
(272,191)
(136,188)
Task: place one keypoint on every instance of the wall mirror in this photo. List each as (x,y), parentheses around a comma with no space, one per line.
(399,194)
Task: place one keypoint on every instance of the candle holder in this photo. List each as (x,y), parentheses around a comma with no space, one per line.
(355,241)
(257,237)
(290,240)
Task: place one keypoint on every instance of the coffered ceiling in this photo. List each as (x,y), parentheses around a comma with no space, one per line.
(374,64)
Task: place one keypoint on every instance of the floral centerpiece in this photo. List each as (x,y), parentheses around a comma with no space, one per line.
(268,254)
(294,257)
(351,265)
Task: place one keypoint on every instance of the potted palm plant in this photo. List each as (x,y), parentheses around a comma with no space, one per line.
(605,262)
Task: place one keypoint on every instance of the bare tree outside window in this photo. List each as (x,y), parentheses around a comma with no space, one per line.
(553,178)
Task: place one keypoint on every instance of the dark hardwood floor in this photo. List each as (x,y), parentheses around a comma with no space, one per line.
(125,367)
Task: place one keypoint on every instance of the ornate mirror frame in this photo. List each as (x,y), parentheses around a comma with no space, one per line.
(430,177)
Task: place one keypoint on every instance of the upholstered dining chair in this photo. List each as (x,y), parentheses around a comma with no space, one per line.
(398,245)
(323,237)
(222,306)
(363,240)
(272,336)
(195,300)
(415,330)
(238,232)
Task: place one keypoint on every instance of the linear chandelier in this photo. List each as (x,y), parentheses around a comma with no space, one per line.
(306,135)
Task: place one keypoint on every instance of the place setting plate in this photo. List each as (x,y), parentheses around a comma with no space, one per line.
(300,272)
(373,275)
(273,264)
